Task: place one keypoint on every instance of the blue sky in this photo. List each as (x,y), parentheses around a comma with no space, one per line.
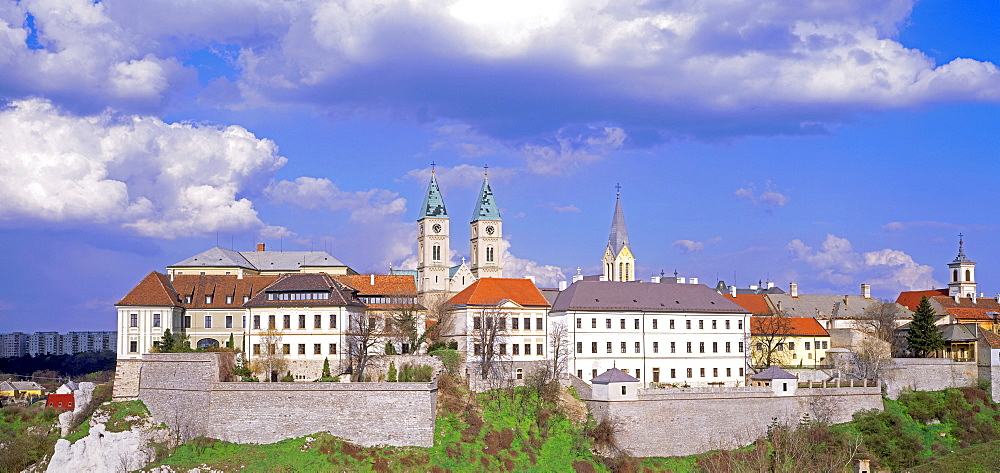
(827,143)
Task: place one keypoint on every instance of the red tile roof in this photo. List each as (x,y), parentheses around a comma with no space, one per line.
(384,285)
(756,304)
(60,401)
(992,339)
(910,299)
(966,314)
(489,291)
(794,326)
(154,290)
(966,311)
(218,286)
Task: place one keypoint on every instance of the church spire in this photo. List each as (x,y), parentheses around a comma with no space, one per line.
(486,207)
(433,201)
(619,263)
(619,234)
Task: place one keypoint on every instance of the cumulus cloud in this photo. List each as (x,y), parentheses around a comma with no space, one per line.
(462,175)
(157,179)
(836,263)
(519,70)
(768,200)
(545,275)
(689,246)
(367,206)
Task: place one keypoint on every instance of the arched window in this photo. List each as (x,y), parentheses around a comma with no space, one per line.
(208,342)
(968,275)
(954,276)
(489,254)
(628,268)
(621,271)
(436,253)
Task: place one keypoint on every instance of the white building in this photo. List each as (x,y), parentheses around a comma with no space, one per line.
(657,332)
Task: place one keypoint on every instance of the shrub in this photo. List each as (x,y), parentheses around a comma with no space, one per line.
(389,348)
(391,377)
(288,378)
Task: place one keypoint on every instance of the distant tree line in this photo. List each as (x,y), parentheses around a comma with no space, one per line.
(75,365)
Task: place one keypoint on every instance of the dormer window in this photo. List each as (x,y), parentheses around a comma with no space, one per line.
(187,299)
(229,299)
(208,299)
(246,299)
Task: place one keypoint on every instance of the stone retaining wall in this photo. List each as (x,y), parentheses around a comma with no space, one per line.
(927,374)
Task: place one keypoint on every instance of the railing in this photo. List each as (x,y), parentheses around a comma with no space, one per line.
(841,383)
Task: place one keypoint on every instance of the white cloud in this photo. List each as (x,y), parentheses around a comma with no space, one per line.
(157,179)
(561,208)
(689,246)
(568,150)
(768,200)
(545,275)
(838,264)
(462,175)
(367,206)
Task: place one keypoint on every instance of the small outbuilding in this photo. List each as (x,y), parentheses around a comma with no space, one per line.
(61,401)
(615,385)
(781,382)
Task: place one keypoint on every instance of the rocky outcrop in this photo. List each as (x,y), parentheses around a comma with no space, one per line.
(103,451)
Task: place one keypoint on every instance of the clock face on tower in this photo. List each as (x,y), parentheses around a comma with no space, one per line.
(490,230)
(436,228)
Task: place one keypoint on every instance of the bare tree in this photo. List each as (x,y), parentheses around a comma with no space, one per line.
(871,358)
(767,341)
(489,342)
(364,334)
(405,325)
(269,356)
(879,320)
(559,348)
(436,306)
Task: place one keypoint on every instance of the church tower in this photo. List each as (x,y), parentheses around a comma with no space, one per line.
(619,264)
(432,241)
(486,245)
(963,274)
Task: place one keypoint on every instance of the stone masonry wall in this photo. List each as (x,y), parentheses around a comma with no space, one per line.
(184,391)
(661,423)
(126,380)
(927,374)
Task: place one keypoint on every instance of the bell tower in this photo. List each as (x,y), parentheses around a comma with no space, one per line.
(486,242)
(963,273)
(619,263)
(433,241)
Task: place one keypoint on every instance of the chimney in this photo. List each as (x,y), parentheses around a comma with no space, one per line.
(578,277)
(693,281)
(260,247)
(680,280)
(372,280)
(603,278)
(866,291)
(654,279)
(753,287)
(793,289)
(732,290)
(562,286)
(973,295)
(770,284)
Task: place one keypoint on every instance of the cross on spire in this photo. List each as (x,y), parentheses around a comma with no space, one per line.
(618,189)
(432,167)
(486,170)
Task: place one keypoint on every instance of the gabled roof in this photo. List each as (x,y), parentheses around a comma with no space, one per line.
(259,260)
(773,373)
(216,257)
(753,303)
(663,297)
(339,294)
(911,299)
(27,386)
(613,375)
(219,286)
(380,284)
(789,326)
(959,333)
(821,305)
(991,339)
(433,201)
(490,291)
(154,290)
(982,310)
(619,234)
(486,207)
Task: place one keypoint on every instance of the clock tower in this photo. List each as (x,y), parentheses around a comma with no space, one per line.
(486,242)
(432,242)
(963,274)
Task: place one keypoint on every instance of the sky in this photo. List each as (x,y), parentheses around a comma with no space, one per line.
(826,143)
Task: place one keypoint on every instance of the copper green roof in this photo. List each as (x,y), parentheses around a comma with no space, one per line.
(433,202)
(486,208)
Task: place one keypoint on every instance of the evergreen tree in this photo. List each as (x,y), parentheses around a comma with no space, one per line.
(326,369)
(231,343)
(924,338)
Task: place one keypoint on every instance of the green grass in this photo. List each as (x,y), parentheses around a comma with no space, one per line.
(981,458)
(123,415)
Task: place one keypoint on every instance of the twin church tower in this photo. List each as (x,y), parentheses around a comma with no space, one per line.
(435,274)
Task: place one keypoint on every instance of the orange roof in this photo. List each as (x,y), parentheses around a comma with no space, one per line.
(383,285)
(153,290)
(753,303)
(219,286)
(968,313)
(910,299)
(489,291)
(991,338)
(794,326)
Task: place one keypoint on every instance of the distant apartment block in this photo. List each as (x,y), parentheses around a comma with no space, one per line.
(17,344)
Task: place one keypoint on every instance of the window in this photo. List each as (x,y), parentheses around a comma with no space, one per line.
(701,325)
(208,299)
(702,372)
(503,348)
(578,322)
(623,324)
(637,373)
(715,372)
(156,320)
(477,323)
(302,321)
(527,349)
(713,325)
(741,347)
(739,324)
(741,371)
(271,348)
(256,322)
(133,346)
(637,324)
(791,346)
(208,321)
(593,373)
(539,349)
(333,321)
(654,324)
(687,324)
(727,325)
(287,319)
(673,347)
(806,345)
(824,345)
(317,321)
(514,322)
(516,349)
(673,373)
(436,252)
(623,347)
(538,324)
(229,299)
(715,347)
(607,323)
(656,375)
(624,389)
(728,347)
(609,347)
(477,349)
(503,323)
(689,347)
(579,374)
(689,373)
(593,323)
(133,320)
(489,254)
(760,346)
(246,299)
(519,373)
(527,323)
(593,347)
(229,321)
(656,347)
(729,372)
(286,349)
(317,349)
(579,347)
(637,347)
(701,347)
(671,324)
(187,321)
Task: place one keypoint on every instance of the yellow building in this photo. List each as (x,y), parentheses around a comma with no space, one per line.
(788,341)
